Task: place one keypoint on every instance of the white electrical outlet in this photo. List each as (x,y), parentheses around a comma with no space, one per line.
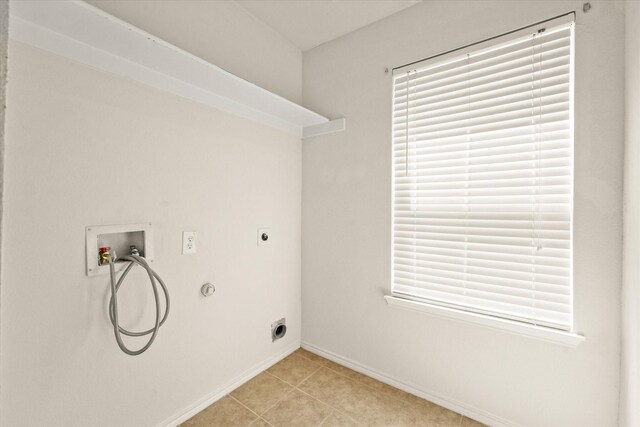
(189,242)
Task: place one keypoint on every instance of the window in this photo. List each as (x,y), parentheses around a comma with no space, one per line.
(483,178)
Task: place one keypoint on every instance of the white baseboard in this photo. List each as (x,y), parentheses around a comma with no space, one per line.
(236,382)
(452,404)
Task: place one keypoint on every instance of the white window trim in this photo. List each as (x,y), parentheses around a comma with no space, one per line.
(555,336)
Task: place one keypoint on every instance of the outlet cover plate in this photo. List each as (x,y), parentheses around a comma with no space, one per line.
(189,242)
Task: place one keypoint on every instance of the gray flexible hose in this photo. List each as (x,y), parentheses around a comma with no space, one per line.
(113,303)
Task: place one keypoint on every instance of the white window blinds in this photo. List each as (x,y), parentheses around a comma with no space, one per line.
(483,178)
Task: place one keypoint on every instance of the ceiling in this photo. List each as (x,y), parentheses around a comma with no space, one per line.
(309,23)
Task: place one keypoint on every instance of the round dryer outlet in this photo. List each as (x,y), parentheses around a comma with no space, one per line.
(278,329)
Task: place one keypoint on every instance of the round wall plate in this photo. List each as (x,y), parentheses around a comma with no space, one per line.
(207,289)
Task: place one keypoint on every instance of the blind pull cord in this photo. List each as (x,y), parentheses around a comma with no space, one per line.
(406,139)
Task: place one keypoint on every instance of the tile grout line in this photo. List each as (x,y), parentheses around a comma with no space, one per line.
(297,387)
(327,417)
(334,409)
(245,406)
(352,380)
(331,413)
(262,419)
(311,360)
(281,398)
(293,388)
(303,380)
(256,420)
(310,375)
(348,417)
(266,371)
(368,386)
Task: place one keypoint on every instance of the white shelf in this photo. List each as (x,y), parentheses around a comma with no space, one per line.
(79,31)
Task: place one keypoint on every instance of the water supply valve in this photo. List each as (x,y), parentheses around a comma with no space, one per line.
(104,255)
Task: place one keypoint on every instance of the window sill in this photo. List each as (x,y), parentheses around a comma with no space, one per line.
(567,339)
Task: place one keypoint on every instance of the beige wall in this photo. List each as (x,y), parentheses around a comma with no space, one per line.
(346,223)
(630,375)
(222,33)
(85,147)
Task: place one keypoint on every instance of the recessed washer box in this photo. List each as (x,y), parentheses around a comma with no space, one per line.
(118,238)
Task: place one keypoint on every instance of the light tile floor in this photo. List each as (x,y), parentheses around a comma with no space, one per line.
(305,389)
